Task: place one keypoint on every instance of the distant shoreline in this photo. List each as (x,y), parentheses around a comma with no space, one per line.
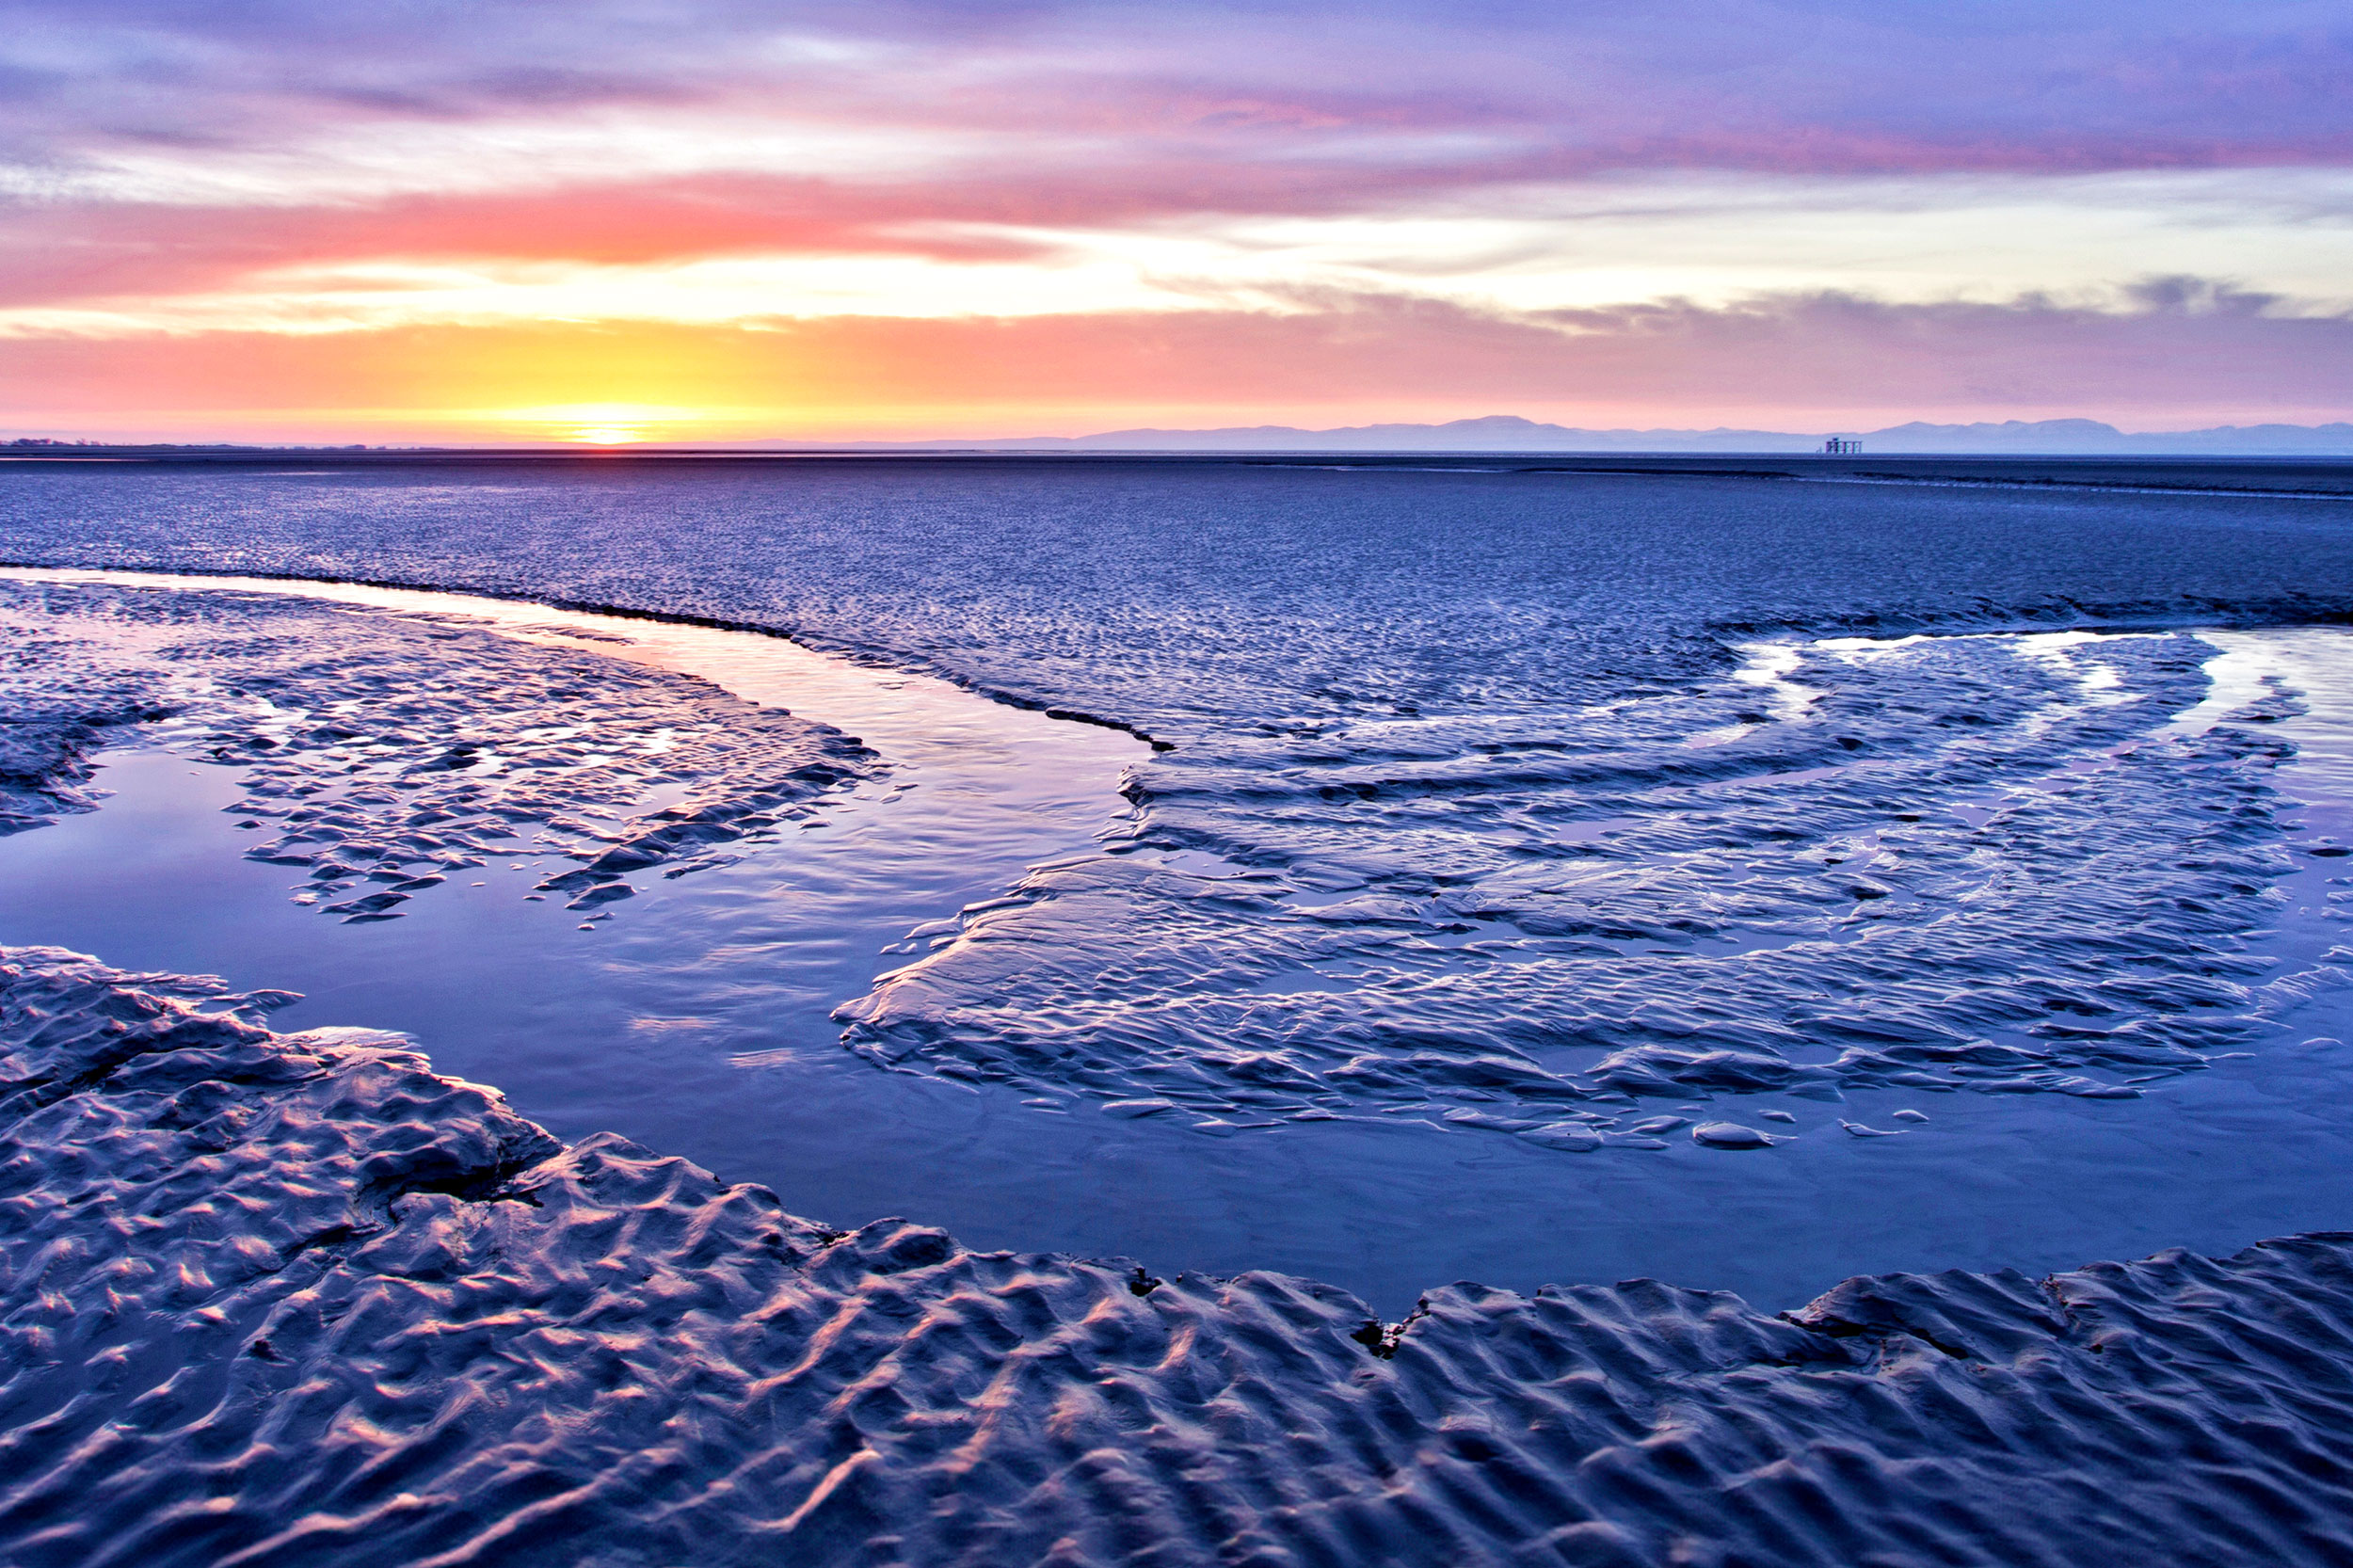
(2286,477)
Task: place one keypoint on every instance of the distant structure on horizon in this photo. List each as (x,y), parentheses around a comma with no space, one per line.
(1841,446)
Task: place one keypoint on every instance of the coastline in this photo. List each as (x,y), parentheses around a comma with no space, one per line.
(341,1307)
(2295,475)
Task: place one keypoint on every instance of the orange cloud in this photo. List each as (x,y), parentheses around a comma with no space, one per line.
(2183,358)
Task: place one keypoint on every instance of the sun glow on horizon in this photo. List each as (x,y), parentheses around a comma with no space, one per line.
(600,423)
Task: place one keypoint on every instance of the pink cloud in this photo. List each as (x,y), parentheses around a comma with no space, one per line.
(1096,117)
(2187,355)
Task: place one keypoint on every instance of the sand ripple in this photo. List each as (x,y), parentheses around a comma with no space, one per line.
(1991,863)
(295,1298)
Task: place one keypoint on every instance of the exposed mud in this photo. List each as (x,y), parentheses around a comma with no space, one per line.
(383,752)
(1990,863)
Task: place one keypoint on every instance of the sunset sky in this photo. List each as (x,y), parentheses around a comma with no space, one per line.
(678,219)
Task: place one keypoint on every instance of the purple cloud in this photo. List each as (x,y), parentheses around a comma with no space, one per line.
(1737,84)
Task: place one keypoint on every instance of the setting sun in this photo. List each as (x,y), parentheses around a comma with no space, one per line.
(599,424)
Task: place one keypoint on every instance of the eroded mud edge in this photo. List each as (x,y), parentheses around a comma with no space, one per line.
(870,656)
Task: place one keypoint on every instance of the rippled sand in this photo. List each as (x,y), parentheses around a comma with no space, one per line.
(295,1298)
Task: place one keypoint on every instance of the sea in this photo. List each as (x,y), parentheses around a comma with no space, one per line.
(1389,872)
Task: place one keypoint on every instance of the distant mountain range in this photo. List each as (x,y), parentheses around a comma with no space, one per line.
(1510,433)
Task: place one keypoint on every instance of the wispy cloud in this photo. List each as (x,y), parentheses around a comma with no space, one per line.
(2184,354)
(1905,86)
(1216,175)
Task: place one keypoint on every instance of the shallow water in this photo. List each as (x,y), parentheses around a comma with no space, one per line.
(695,1021)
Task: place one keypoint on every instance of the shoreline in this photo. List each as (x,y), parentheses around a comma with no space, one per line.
(2319,477)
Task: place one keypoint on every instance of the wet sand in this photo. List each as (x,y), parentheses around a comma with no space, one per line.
(293,1298)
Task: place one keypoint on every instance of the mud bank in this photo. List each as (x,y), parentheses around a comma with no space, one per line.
(295,1298)
(1991,863)
(384,752)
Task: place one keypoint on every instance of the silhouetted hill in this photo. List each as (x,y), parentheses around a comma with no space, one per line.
(1510,433)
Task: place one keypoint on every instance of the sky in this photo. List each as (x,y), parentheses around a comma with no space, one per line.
(712,220)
